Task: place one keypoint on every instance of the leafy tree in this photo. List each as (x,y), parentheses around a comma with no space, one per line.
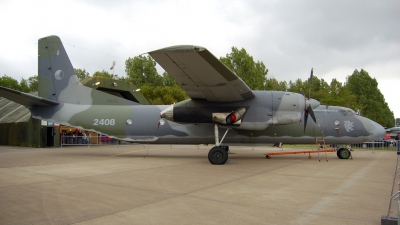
(168,80)
(273,84)
(251,72)
(29,85)
(313,89)
(142,70)
(163,95)
(336,94)
(158,90)
(81,73)
(373,104)
(397,121)
(24,86)
(33,83)
(104,74)
(9,82)
(319,88)
(297,86)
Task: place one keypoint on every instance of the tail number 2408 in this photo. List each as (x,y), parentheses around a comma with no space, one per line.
(104,122)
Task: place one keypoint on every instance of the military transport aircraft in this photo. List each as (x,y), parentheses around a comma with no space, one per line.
(219,101)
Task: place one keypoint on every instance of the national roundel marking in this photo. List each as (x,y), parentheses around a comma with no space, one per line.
(59,74)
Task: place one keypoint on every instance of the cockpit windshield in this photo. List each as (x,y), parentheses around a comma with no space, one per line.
(346,112)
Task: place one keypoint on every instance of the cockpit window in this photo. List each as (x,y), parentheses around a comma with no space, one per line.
(347,112)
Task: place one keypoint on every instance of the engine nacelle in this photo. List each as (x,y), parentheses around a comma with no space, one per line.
(235,116)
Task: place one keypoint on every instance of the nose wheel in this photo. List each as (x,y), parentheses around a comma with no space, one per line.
(343,153)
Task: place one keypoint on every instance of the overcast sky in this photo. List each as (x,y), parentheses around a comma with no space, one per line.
(290,37)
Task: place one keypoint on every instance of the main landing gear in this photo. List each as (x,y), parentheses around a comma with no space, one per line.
(218,155)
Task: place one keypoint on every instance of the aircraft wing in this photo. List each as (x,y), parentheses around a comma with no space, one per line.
(201,75)
(24,98)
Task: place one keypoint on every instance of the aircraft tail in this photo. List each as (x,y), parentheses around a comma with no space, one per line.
(58,81)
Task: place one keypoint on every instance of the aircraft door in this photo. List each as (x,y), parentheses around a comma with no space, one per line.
(50,136)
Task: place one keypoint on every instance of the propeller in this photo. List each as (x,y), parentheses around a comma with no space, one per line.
(308,110)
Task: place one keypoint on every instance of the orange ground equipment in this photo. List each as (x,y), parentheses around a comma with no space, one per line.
(321,147)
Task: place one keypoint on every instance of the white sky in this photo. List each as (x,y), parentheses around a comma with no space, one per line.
(290,37)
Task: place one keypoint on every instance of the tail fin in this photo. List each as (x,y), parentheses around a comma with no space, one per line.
(56,73)
(58,81)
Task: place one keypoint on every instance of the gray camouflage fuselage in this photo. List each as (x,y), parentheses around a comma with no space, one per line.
(144,126)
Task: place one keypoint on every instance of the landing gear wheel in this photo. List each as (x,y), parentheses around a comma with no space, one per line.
(218,156)
(343,153)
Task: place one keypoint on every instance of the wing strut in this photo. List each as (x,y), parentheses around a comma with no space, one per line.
(216,135)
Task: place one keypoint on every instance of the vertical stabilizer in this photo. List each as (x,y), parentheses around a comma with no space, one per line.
(56,74)
(58,81)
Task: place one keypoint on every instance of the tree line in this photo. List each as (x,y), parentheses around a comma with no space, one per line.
(358,92)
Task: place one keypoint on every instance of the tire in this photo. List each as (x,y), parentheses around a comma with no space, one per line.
(218,156)
(338,154)
(343,153)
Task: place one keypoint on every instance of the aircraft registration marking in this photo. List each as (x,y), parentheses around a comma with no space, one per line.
(104,122)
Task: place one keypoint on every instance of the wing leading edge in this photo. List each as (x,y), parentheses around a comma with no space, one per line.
(201,75)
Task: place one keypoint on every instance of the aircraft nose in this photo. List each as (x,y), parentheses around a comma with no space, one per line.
(375,130)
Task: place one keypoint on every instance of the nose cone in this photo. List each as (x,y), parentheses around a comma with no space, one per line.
(375,130)
(314,103)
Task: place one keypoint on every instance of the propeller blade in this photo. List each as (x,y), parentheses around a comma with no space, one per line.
(305,119)
(311,112)
(308,111)
(310,82)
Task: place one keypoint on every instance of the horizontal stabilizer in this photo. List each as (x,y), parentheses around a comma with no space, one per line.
(24,98)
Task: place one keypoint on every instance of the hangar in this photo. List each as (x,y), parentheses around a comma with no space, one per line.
(18,128)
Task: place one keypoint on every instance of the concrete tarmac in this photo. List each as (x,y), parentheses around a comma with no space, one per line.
(156,184)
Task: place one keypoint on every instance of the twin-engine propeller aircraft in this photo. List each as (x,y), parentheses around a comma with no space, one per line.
(219,101)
